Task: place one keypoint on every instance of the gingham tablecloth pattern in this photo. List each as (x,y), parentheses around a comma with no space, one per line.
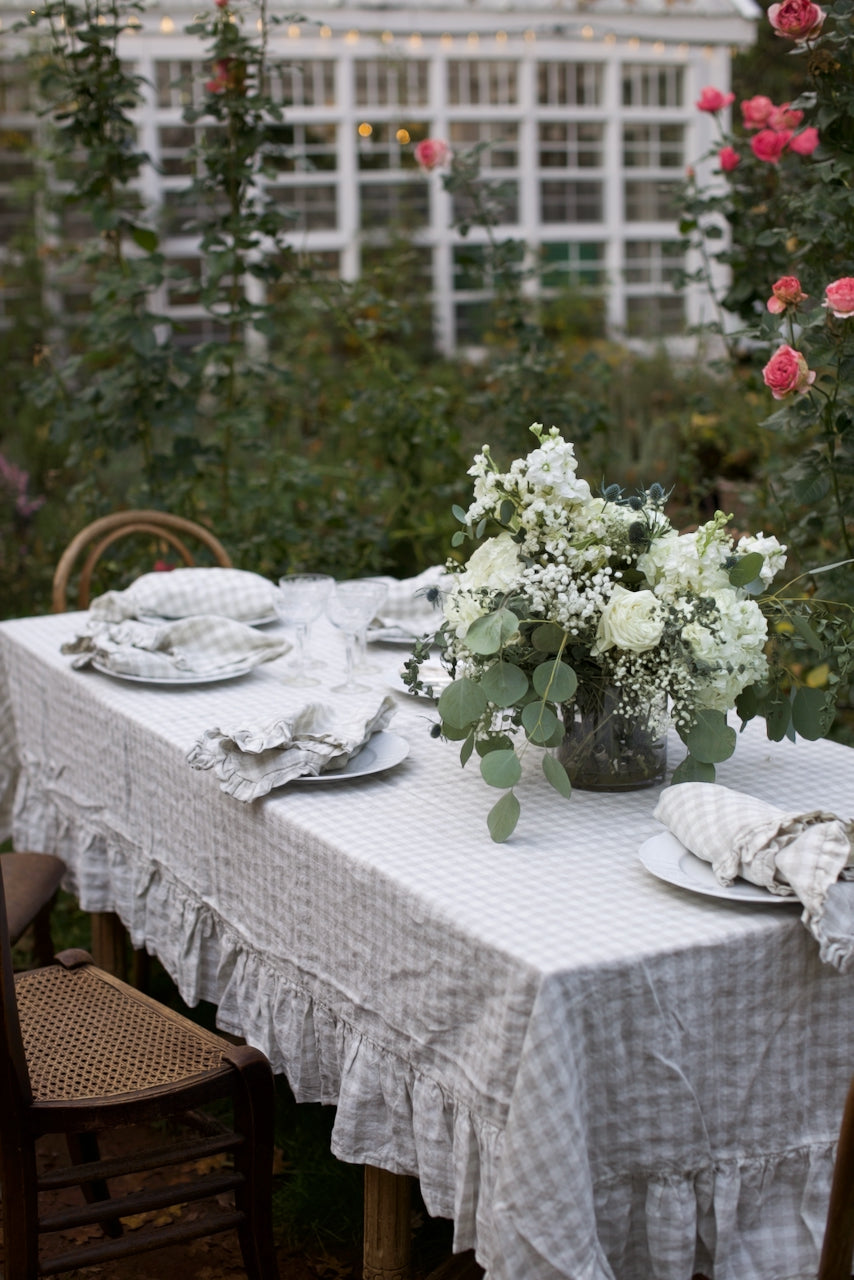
(595,1073)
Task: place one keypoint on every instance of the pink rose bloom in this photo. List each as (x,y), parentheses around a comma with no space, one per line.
(839,298)
(713,100)
(796,19)
(431,153)
(768,145)
(728,158)
(805,142)
(784,118)
(755,111)
(787,292)
(787,371)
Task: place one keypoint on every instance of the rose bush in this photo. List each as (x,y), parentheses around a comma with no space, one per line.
(787,371)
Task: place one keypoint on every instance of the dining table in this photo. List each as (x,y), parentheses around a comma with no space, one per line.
(597,1071)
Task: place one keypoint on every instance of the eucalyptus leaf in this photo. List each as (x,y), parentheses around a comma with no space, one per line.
(504,684)
(506,511)
(778,718)
(466,749)
(555,681)
(693,770)
(548,637)
(747,569)
(459,514)
(501,768)
(502,818)
(489,633)
(557,775)
(812,713)
(461,703)
(710,739)
(539,722)
(806,632)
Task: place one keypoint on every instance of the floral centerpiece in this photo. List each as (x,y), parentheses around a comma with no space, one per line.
(572,599)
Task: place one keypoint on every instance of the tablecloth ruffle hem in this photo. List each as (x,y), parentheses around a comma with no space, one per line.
(391,1115)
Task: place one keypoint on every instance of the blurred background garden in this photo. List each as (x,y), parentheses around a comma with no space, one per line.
(316,423)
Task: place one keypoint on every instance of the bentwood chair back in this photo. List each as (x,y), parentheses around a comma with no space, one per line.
(30,882)
(838,1248)
(82,1052)
(103,533)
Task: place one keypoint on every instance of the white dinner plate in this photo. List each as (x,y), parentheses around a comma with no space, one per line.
(180,677)
(156,619)
(383,751)
(668,859)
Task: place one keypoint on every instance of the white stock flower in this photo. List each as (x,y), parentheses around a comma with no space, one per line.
(631,620)
(772,551)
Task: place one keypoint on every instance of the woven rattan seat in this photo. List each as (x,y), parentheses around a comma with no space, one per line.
(82,1052)
(69,1015)
(31,881)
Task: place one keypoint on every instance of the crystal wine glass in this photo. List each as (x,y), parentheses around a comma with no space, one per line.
(350,608)
(380,590)
(301,599)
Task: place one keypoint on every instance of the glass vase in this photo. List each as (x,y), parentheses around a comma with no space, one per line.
(611,744)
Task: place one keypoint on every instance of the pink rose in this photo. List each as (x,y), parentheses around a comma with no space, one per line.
(768,145)
(431,153)
(755,111)
(796,19)
(728,158)
(805,142)
(787,292)
(784,118)
(787,371)
(713,100)
(839,298)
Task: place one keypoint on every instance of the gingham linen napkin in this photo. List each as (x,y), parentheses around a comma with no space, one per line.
(251,760)
(181,593)
(809,855)
(413,606)
(202,646)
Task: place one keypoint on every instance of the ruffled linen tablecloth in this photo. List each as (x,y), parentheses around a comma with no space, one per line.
(596,1074)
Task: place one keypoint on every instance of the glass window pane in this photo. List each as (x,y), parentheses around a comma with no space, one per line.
(566,84)
(648,85)
(501,138)
(571,145)
(393,204)
(651,200)
(653,316)
(570,201)
(476,81)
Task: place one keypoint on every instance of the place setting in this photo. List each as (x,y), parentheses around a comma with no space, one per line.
(187,626)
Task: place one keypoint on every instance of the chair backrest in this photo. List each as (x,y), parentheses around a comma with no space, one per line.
(101,534)
(14,1075)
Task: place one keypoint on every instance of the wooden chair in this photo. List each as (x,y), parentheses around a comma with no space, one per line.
(838,1249)
(81,1052)
(101,534)
(30,882)
(108,935)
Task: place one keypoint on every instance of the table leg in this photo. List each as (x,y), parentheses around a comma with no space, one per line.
(108,943)
(388,1231)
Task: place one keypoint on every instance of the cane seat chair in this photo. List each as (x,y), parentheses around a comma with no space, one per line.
(30,882)
(838,1249)
(81,1052)
(101,534)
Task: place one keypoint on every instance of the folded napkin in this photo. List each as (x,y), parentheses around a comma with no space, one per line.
(202,645)
(249,761)
(808,855)
(413,606)
(181,593)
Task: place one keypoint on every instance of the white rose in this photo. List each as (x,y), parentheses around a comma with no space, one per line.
(631,620)
(494,567)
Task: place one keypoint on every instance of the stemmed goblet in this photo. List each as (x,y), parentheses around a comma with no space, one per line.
(350,607)
(300,601)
